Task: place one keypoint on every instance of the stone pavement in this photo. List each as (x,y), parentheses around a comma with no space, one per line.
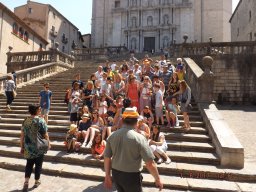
(12,181)
(242,120)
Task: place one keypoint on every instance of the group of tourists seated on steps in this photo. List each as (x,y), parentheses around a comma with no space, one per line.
(156,89)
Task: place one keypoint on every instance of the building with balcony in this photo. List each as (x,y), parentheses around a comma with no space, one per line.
(143,25)
(50,24)
(243,21)
(16,36)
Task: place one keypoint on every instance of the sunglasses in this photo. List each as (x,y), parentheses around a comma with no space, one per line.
(47,87)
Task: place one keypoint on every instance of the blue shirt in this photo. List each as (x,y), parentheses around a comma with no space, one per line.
(45,99)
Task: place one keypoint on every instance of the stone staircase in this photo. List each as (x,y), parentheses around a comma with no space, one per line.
(194,167)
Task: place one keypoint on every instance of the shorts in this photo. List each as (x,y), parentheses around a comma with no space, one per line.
(159,112)
(73,117)
(45,111)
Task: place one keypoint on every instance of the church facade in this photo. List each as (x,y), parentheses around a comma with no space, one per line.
(145,25)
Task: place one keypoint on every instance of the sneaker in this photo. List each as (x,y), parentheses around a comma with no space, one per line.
(83,145)
(37,183)
(8,108)
(25,187)
(89,145)
(168,161)
(159,161)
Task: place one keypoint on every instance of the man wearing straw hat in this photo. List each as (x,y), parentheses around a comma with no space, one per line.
(124,153)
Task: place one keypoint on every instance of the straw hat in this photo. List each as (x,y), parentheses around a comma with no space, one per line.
(130,113)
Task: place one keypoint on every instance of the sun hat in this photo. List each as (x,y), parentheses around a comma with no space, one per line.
(130,112)
(86,115)
(140,118)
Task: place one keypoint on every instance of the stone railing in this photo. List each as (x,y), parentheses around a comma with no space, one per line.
(22,60)
(201,82)
(214,49)
(228,147)
(32,74)
(100,53)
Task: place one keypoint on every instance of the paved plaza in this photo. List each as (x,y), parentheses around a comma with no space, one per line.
(242,120)
(12,181)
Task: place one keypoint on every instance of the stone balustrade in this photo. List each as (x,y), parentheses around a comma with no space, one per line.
(201,82)
(32,74)
(228,147)
(100,53)
(214,49)
(22,60)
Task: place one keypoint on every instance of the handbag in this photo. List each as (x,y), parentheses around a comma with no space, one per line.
(41,143)
(14,93)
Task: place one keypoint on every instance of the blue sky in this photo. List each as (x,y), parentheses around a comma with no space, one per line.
(79,12)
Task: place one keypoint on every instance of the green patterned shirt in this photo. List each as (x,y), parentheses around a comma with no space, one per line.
(30,127)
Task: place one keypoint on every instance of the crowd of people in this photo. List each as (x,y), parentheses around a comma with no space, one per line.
(139,96)
(157,89)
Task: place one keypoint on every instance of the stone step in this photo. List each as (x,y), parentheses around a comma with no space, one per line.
(60,136)
(86,159)
(51,117)
(31,100)
(25,111)
(20,103)
(14,107)
(172,145)
(171,183)
(59,122)
(20,120)
(62,126)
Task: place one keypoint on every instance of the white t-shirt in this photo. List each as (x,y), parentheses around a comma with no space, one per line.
(99,75)
(113,67)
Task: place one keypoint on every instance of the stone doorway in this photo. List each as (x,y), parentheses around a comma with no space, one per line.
(149,44)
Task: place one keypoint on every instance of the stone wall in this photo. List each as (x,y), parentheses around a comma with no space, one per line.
(235,79)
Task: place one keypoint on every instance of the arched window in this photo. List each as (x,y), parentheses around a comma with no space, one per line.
(165,2)
(165,42)
(150,3)
(133,43)
(134,3)
(26,36)
(15,28)
(149,21)
(21,32)
(166,19)
(134,22)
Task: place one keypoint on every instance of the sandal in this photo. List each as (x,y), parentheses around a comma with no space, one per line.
(37,183)
(25,187)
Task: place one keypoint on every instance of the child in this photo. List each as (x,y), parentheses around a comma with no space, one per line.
(159,104)
(103,107)
(172,112)
(71,139)
(98,146)
(74,108)
(148,116)
(84,125)
(45,99)
(142,127)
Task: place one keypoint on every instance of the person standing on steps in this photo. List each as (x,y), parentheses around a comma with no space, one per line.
(9,88)
(32,126)
(124,153)
(45,100)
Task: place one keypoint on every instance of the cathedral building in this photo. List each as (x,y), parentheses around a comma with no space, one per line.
(145,25)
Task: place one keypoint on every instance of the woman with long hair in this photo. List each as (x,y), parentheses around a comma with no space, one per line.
(118,85)
(31,127)
(158,145)
(98,146)
(173,86)
(97,126)
(132,91)
(185,99)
